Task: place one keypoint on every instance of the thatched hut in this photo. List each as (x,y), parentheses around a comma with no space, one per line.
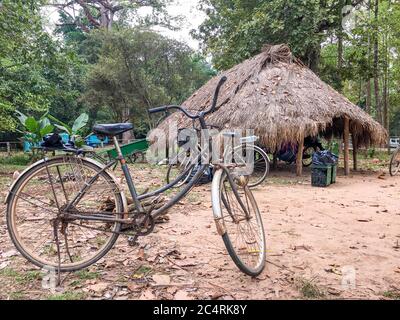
(284,101)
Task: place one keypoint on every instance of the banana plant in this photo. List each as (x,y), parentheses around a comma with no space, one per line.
(73,131)
(34,130)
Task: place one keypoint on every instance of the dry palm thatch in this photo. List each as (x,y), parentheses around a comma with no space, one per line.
(282,100)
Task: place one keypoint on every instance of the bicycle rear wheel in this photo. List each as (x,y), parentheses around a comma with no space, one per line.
(395,163)
(261,163)
(182,167)
(239,223)
(33,207)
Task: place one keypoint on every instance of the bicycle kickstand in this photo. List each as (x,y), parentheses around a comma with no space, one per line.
(132,241)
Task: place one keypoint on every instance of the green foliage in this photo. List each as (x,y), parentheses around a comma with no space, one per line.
(392,294)
(371,153)
(42,73)
(67,295)
(74,130)
(34,130)
(140,69)
(19,159)
(78,124)
(35,70)
(236,30)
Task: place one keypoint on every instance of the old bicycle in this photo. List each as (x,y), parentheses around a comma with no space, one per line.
(67,212)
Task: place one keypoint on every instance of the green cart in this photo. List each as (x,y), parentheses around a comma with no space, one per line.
(135,152)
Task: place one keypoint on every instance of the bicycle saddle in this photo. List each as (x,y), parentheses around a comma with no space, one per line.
(112,129)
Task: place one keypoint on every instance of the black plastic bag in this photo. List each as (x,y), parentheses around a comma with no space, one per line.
(207,176)
(53,141)
(323,158)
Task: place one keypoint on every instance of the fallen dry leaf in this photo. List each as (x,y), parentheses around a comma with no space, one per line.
(10,253)
(147,295)
(98,287)
(161,280)
(181,295)
(141,254)
(132,286)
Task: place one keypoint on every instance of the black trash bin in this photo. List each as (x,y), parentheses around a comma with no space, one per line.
(323,170)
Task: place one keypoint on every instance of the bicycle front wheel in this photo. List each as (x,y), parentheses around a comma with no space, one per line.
(395,163)
(239,222)
(45,190)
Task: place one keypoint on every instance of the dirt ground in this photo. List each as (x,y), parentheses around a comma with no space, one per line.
(340,242)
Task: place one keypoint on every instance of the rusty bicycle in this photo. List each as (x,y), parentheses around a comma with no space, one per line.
(67,212)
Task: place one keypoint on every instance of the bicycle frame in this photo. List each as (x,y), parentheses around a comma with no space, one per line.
(105,216)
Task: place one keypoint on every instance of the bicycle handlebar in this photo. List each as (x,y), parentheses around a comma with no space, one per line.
(189,115)
(216,94)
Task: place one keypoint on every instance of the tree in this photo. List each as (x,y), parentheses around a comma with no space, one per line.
(26,53)
(370,61)
(237,29)
(140,69)
(102,14)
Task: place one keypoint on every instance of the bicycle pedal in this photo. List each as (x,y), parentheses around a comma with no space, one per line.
(132,241)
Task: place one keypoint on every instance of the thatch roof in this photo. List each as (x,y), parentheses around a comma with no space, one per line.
(282,100)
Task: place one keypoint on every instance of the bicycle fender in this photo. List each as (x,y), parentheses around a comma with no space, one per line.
(215,193)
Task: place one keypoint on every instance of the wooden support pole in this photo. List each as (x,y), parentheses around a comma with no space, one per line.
(275,161)
(299,158)
(355,150)
(346,140)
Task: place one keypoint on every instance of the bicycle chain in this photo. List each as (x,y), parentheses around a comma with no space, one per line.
(139,228)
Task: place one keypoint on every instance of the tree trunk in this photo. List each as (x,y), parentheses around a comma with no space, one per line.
(355,150)
(376,67)
(386,121)
(127,136)
(368,100)
(368,91)
(105,18)
(299,159)
(340,47)
(313,58)
(346,138)
(275,160)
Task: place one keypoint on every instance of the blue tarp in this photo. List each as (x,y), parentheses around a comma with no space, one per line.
(94,141)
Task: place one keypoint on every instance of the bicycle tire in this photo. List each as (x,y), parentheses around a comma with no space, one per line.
(220,178)
(394,170)
(11,203)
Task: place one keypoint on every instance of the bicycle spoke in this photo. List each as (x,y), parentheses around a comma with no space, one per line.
(244,231)
(34,213)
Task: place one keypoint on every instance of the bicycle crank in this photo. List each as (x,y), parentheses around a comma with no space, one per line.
(144,224)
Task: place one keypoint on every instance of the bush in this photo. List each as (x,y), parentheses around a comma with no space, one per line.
(371,153)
